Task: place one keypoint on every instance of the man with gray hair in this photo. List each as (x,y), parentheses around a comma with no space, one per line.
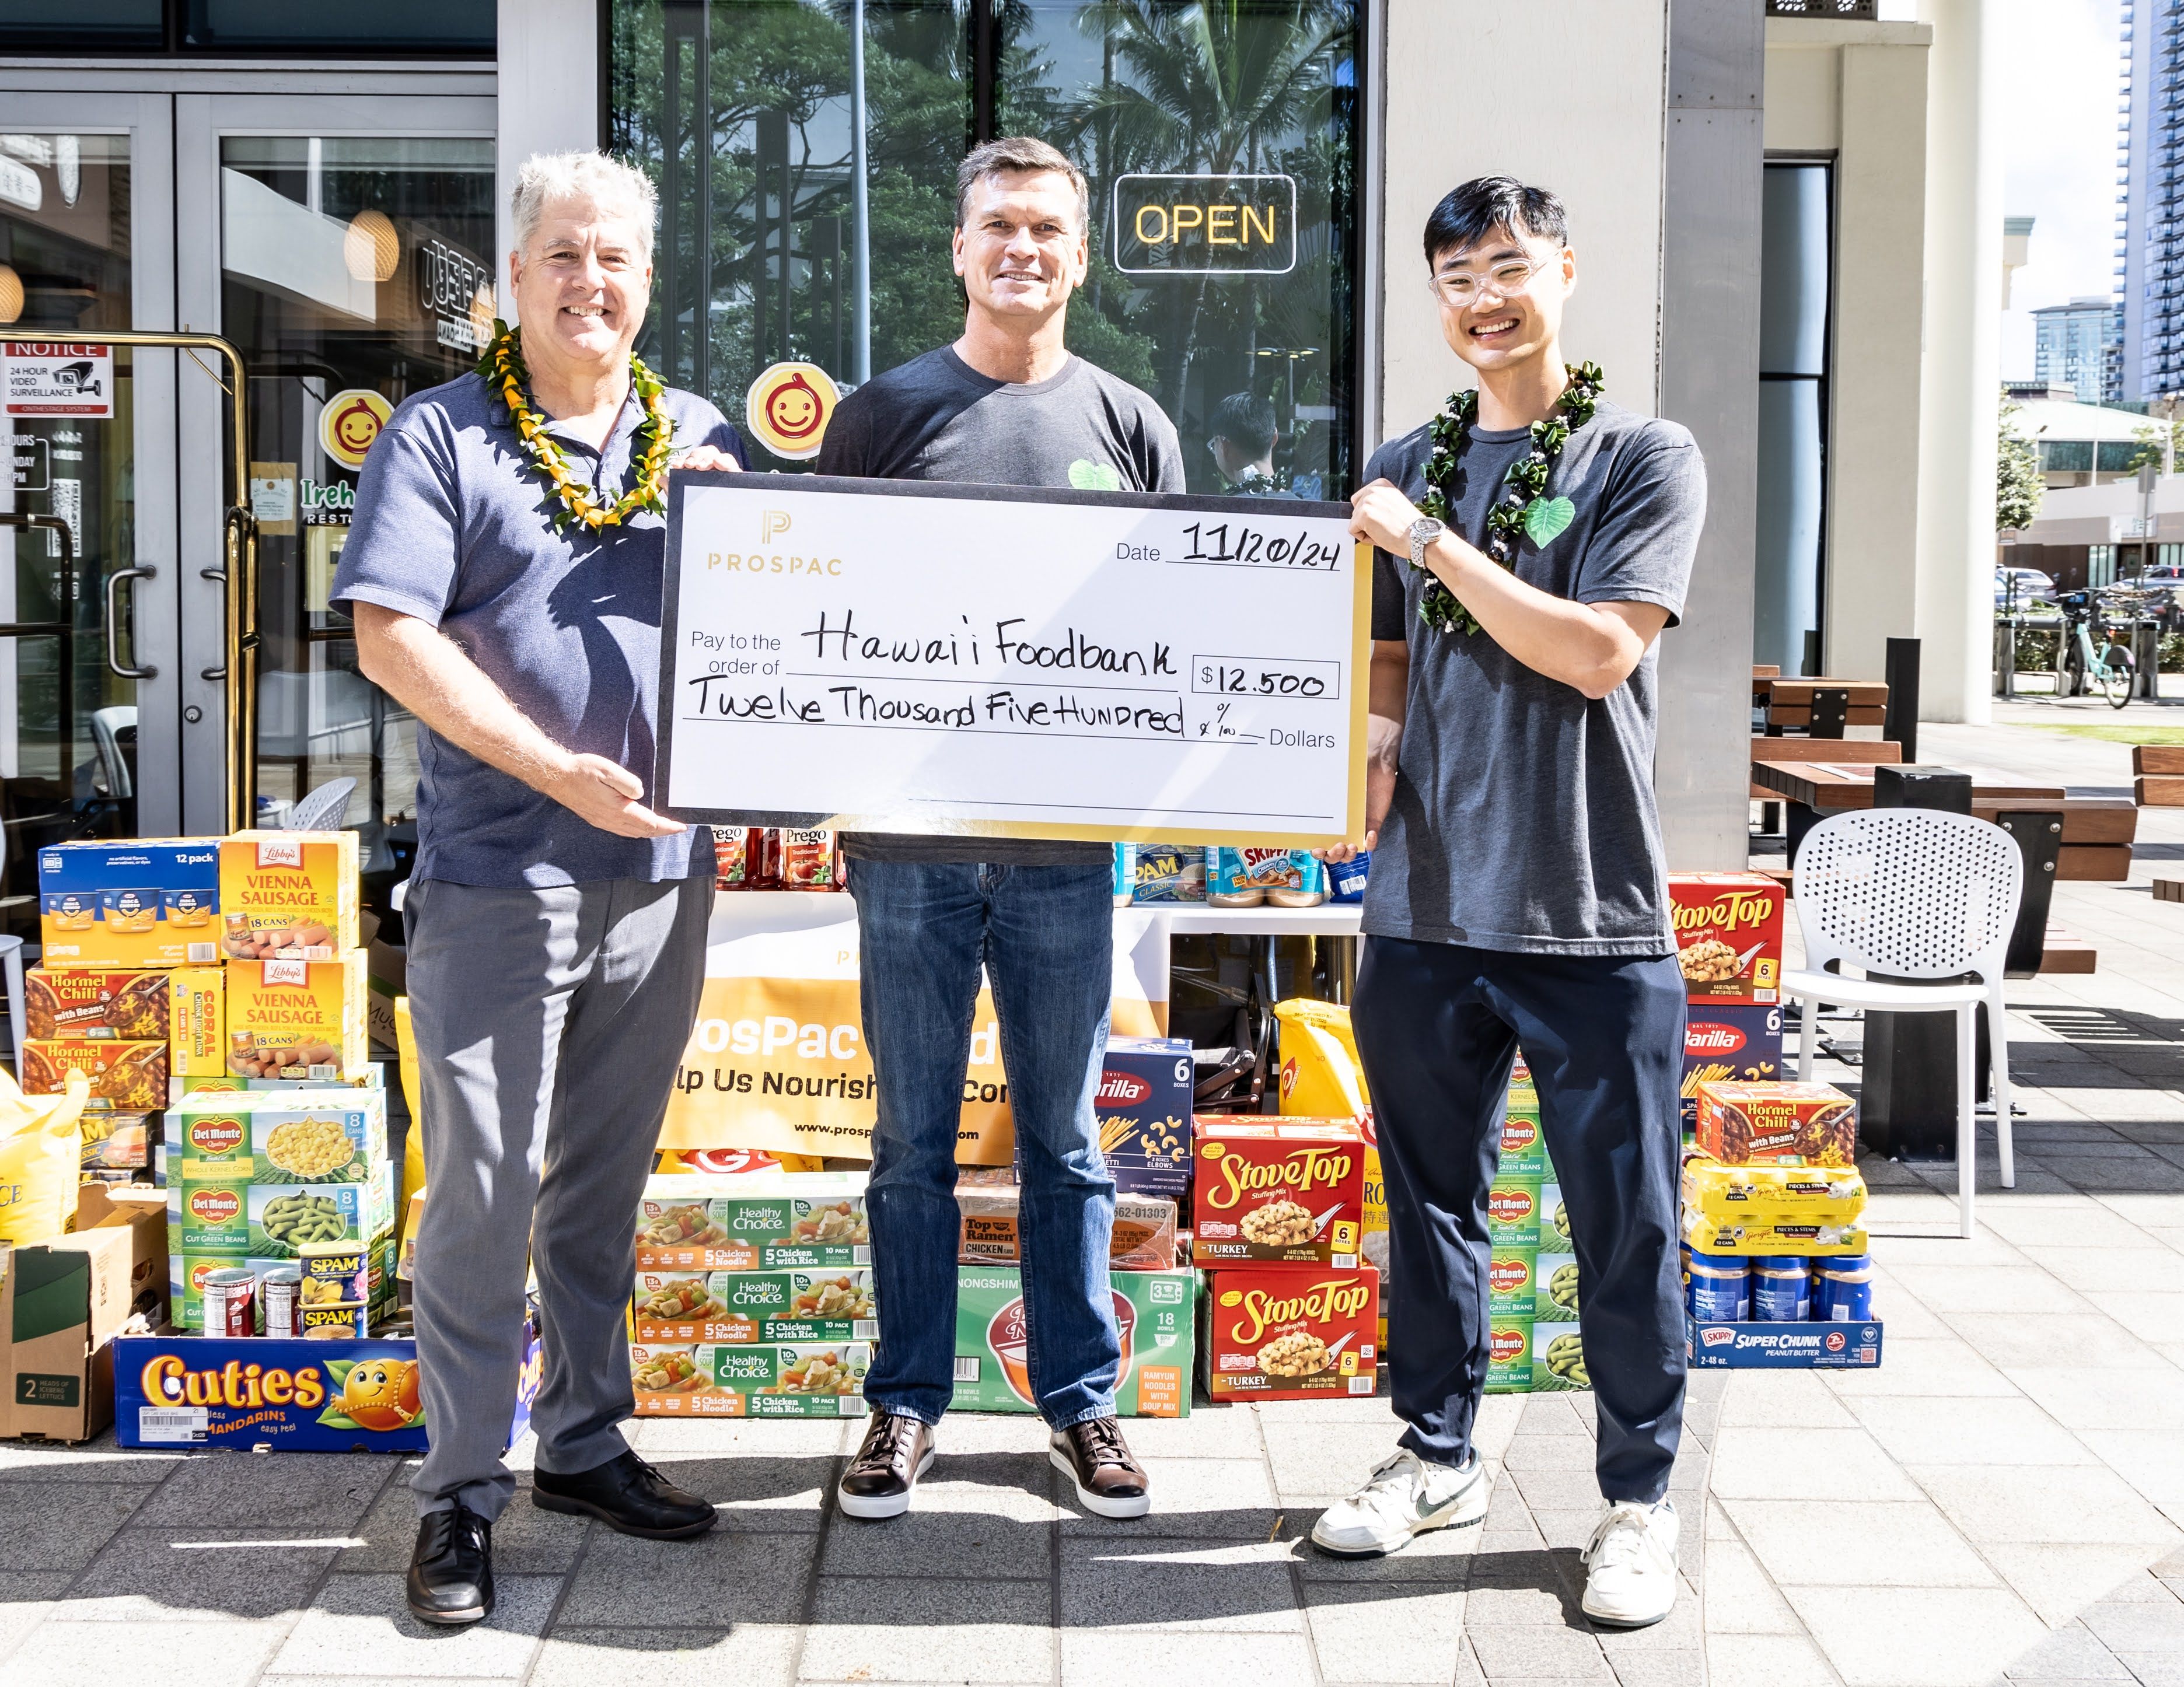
(1006,405)
(504,577)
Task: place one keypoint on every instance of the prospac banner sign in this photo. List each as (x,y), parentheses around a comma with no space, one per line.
(56,378)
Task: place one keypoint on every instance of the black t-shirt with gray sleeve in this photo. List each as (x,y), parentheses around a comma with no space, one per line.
(1524,817)
(935,418)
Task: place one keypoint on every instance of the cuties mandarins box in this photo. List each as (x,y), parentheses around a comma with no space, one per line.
(1277,1191)
(288,895)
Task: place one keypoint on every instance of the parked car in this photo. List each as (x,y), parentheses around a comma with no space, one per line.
(2028,586)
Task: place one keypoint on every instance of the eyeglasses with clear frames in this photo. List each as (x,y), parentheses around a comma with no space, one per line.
(1461,288)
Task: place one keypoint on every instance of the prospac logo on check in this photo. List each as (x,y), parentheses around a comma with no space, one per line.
(772,523)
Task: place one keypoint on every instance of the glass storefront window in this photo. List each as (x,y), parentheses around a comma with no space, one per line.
(355,271)
(1223,190)
(398,25)
(56,25)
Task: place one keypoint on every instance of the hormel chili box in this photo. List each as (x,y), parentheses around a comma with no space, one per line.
(1722,1040)
(1143,1107)
(1729,935)
(1777,1124)
(1277,1191)
(1291,1334)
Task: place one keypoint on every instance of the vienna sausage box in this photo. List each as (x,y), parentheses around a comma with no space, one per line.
(780,1379)
(1142,1109)
(288,895)
(1729,935)
(130,903)
(799,1307)
(1277,1191)
(284,1394)
(298,1019)
(1291,1334)
(762,1221)
(1153,1320)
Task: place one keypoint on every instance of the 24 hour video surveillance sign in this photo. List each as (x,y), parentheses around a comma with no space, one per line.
(55,378)
(1212,225)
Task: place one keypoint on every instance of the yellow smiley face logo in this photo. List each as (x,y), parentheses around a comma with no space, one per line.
(787,407)
(349,422)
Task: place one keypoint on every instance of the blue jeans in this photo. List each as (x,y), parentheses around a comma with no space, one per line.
(1046,936)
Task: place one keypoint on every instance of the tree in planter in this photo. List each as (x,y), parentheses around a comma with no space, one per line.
(2018,486)
(2150,443)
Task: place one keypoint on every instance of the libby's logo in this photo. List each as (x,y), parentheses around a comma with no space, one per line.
(1120,1089)
(1307,1168)
(1332,1301)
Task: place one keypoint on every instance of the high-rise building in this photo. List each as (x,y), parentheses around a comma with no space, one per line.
(2080,345)
(2149,252)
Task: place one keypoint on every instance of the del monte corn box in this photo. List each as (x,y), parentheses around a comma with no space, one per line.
(330,1135)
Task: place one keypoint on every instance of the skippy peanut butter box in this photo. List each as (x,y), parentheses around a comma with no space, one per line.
(137,902)
(1277,1191)
(1291,1334)
(287,895)
(1729,935)
(296,1019)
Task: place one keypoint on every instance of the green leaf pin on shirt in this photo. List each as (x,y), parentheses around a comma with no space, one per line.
(1544,518)
(1087,476)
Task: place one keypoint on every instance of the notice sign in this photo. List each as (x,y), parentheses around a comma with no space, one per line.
(51,378)
(1226,224)
(1001,661)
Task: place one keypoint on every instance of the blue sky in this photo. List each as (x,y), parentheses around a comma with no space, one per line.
(2060,74)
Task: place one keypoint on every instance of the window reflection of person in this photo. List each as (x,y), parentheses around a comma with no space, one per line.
(1243,442)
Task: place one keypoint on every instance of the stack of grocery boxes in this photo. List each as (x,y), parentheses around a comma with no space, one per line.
(1729,945)
(1531,1271)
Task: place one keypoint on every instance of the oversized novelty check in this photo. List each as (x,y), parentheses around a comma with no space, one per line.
(925,657)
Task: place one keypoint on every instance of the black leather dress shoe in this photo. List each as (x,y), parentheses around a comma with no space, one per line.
(627,1495)
(451,1570)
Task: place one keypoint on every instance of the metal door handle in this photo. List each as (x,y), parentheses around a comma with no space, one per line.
(219,577)
(113,662)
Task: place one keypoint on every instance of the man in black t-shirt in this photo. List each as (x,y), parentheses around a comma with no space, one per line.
(1006,405)
(1518,896)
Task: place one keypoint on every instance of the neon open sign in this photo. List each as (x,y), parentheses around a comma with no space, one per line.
(1204,224)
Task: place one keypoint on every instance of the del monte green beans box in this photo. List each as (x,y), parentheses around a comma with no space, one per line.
(756,1306)
(1513,1212)
(1153,1317)
(1508,1356)
(762,1221)
(1557,1357)
(1512,1282)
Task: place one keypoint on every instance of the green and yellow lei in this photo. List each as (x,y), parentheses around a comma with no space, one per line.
(502,365)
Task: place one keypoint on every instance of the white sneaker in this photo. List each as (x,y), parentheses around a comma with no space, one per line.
(1403,1498)
(1630,1578)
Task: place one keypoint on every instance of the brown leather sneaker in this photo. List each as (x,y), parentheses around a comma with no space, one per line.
(896,1452)
(1110,1483)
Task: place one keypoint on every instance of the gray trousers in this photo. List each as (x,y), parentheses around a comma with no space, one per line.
(549,1023)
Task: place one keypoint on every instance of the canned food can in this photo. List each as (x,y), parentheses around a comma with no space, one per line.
(278,1290)
(230,1302)
(1842,1288)
(1781,1289)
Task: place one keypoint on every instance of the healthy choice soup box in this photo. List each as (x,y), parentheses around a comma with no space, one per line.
(764,1221)
(775,1380)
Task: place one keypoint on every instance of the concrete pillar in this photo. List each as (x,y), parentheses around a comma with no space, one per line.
(1955,602)
(549,99)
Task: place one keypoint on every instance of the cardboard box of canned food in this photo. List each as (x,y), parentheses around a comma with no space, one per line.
(744,1306)
(330,1134)
(719,1379)
(1153,1319)
(1777,1124)
(130,903)
(1285,1333)
(760,1221)
(187,1272)
(298,1019)
(1535,1355)
(1277,1191)
(1815,1346)
(288,895)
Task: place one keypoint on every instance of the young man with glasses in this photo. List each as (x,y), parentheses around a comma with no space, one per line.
(1517,897)
(1007,405)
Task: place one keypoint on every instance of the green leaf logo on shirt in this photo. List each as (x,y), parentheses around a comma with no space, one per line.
(1087,476)
(1545,517)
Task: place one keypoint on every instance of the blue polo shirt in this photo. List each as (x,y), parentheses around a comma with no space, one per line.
(455,525)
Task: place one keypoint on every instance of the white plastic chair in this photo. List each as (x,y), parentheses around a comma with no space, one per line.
(1918,894)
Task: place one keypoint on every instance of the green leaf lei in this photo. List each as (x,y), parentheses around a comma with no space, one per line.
(501,363)
(1523,505)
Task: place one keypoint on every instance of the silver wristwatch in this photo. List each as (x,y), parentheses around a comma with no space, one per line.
(1423,531)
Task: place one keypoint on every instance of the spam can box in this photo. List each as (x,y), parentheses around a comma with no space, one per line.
(1729,935)
(298,1019)
(287,895)
(1777,1124)
(1291,1334)
(756,1306)
(774,1379)
(131,903)
(758,1223)
(1277,1191)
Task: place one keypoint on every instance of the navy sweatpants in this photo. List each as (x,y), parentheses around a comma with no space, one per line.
(1438,1027)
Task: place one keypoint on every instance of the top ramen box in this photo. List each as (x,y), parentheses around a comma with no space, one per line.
(1277,1191)
(288,895)
(1289,1335)
(1777,1124)
(124,904)
(1153,1322)
(1729,935)
(762,1221)
(298,1019)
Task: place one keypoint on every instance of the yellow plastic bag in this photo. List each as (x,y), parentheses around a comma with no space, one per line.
(413,1145)
(39,1152)
(1321,1077)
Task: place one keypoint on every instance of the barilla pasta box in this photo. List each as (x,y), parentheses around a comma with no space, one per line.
(1780,1124)
(1277,1191)
(1154,1312)
(1142,1107)
(778,1379)
(1291,1334)
(1729,935)
(1725,1041)
(756,1306)
(1773,1195)
(123,905)
(288,895)
(298,1019)
(764,1221)
(330,1135)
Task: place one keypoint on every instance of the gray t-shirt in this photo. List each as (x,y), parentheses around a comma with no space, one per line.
(935,418)
(454,526)
(1524,816)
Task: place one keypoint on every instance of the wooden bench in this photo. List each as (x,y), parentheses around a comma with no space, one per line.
(1841,752)
(2158,775)
(1789,702)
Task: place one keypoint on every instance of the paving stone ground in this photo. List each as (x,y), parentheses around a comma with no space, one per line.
(2002,1502)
